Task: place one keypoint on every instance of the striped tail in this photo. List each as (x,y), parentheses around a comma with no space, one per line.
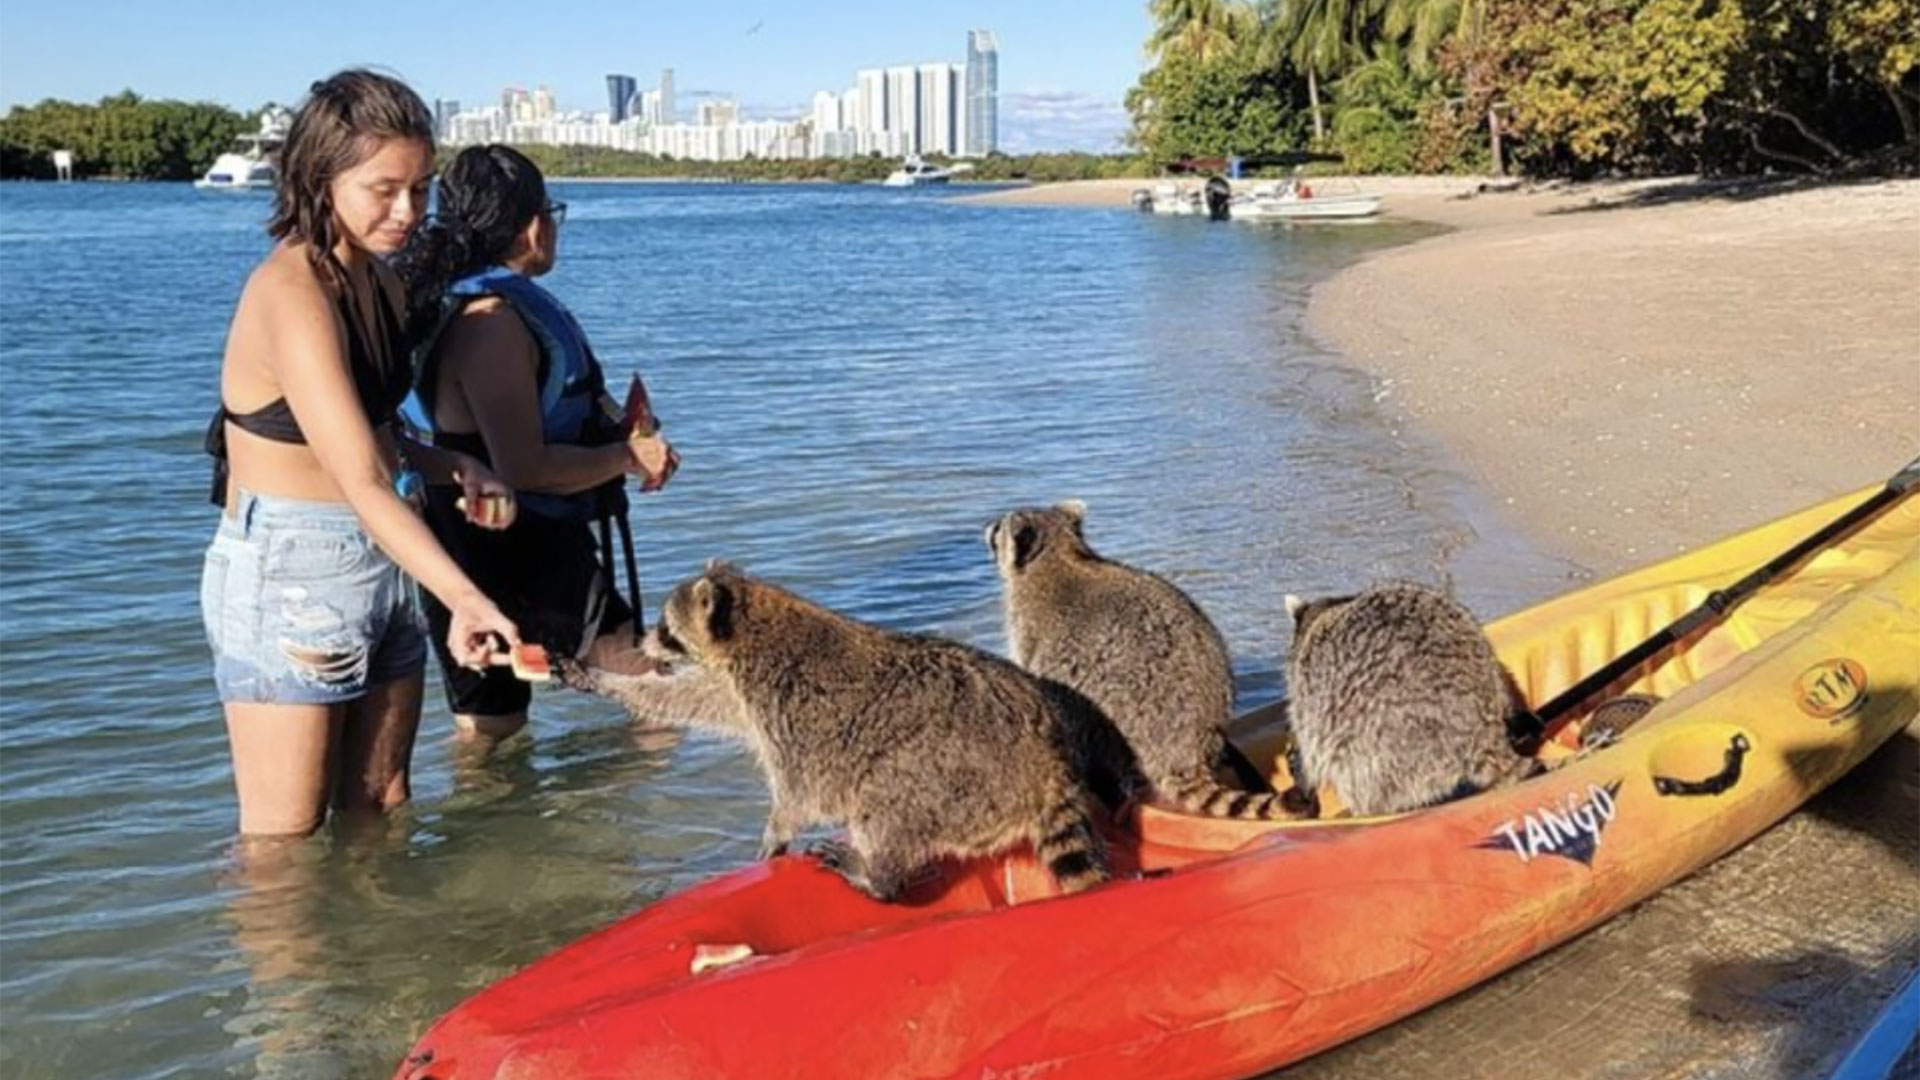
(1205,796)
(1070,848)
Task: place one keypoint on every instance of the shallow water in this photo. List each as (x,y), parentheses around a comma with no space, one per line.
(858,380)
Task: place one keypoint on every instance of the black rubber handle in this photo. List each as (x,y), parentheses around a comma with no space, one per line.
(1728,776)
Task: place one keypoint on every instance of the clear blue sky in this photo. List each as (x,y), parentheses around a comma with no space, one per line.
(1064,66)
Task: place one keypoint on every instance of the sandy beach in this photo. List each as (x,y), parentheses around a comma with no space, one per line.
(1630,370)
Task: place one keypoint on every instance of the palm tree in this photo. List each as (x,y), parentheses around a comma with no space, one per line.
(1425,25)
(1321,37)
(1203,28)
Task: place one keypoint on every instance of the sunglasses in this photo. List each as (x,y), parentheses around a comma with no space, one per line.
(556,210)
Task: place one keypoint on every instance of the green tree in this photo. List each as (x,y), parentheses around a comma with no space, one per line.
(1321,39)
(122,136)
(1203,29)
(1233,104)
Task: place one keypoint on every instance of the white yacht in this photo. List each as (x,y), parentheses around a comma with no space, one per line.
(248,166)
(914,172)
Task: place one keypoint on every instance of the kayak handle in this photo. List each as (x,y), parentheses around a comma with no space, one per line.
(1728,776)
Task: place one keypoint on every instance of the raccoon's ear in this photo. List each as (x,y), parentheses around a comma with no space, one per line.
(1295,606)
(1075,509)
(715,600)
(1026,544)
(992,534)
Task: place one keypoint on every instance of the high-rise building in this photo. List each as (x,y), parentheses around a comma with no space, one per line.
(826,111)
(853,114)
(717,112)
(669,112)
(873,100)
(543,104)
(903,107)
(620,90)
(516,104)
(938,101)
(983,94)
(444,110)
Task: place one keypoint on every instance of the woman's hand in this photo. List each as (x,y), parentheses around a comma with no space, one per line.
(654,459)
(484,499)
(475,631)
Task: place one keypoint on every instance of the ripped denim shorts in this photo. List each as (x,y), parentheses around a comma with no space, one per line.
(302,608)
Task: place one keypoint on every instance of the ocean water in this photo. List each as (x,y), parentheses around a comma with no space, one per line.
(858,380)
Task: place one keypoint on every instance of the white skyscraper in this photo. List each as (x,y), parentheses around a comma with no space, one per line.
(826,111)
(853,113)
(983,94)
(873,100)
(717,112)
(650,110)
(668,110)
(938,128)
(903,107)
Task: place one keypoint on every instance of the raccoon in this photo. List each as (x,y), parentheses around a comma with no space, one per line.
(1135,646)
(1398,701)
(922,747)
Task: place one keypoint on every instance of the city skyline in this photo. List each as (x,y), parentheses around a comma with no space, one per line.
(937,107)
(1061,86)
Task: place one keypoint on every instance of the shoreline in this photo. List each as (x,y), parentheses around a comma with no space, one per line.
(1628,371)
(1630,368)
(1625,371)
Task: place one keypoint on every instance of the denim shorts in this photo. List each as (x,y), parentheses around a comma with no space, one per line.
(302,608)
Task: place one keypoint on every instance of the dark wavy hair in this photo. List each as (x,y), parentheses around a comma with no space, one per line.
(486,197)
(342,122)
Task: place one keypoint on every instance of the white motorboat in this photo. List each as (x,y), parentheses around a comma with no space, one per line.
(914,172)
(1295,200)
(248,165)
(1167,197)
(1208,200)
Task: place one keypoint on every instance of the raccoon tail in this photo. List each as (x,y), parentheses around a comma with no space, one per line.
(1070,848)
(1205,796)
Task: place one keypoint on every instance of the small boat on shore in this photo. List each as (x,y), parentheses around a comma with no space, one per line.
(1295,200)
(1228,948)
(1210,200)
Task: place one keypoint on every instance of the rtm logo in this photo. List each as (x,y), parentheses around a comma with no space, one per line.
(1570,830)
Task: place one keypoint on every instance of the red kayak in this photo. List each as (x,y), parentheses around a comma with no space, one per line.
(1225,949)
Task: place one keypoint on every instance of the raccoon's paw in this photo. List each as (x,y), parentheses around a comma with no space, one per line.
(773,849)
(859,872)
(1300,802)
(837,856)
(576,675)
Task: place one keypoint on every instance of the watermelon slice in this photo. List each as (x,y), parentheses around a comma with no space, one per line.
(529,662)
(639,419)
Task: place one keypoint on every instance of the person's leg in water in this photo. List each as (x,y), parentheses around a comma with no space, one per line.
(376,743)
(282,766)
(376,747)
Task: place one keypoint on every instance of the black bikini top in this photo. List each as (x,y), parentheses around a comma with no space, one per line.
(382,375)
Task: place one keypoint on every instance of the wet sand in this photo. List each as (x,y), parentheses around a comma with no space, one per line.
(1630,370)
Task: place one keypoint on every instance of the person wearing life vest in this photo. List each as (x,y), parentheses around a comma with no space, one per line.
(506,374)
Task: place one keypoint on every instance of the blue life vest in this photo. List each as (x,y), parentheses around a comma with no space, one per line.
(572,386)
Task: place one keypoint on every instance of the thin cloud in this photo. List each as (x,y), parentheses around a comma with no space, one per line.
(1039,120)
